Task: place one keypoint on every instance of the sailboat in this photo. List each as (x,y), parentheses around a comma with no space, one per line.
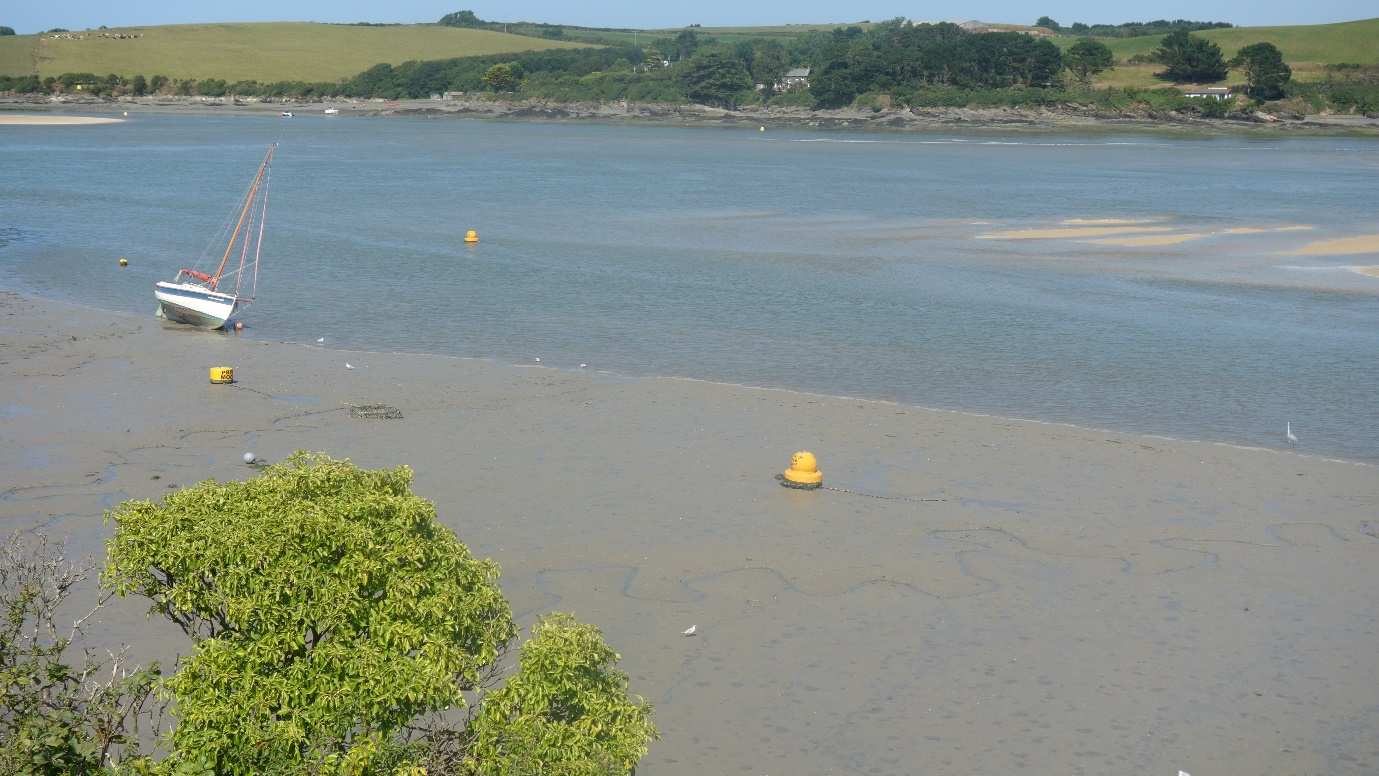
(197,298)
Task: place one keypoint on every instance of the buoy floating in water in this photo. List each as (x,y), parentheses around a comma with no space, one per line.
(803,473)
(124,262)
(761,129)
(471,236)
(239,325)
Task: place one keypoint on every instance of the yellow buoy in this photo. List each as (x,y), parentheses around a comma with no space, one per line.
(471,236)
(803,472)
(222,375)
(124,262)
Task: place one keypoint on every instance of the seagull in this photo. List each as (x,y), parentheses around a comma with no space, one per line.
(690,631)
(348,365)
(320,339)
(1288,432)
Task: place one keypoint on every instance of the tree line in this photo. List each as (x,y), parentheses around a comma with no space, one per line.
(911,64)
(1130,29)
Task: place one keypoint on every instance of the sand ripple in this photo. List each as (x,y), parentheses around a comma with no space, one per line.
(48,120)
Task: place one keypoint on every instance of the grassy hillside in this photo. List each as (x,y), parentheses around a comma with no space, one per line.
(269,51)
(1306,49)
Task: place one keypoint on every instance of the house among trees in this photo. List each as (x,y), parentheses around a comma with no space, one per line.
(794,78)
(1217,93)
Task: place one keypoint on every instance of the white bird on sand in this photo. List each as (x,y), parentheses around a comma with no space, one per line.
(320,339)
(1288,432)
(348,365)
(690,631)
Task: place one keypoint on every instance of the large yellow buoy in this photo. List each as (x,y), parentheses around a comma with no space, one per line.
(222,375)
(124,262)
(803,472)
(471,236)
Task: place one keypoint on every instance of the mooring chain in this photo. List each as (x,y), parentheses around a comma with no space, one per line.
(911,499)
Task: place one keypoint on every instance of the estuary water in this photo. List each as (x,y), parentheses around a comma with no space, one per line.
(1187,286)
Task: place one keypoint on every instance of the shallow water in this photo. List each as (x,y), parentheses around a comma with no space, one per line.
(843,264)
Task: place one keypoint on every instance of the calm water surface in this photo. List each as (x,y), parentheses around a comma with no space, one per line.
(846,264)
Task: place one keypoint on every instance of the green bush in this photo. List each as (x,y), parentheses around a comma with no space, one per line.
(329,611)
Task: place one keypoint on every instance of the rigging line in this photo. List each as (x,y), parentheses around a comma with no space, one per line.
(252,191)
(263,218)
(225,224)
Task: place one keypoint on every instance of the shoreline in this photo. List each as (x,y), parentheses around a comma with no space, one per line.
(1061,119)
(1014,590)
(494,362)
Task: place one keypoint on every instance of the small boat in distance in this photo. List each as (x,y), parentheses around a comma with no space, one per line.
(194,297)
(332,111)
(287,114)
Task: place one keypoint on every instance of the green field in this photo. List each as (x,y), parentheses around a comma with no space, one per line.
(1305,48)
(268,51)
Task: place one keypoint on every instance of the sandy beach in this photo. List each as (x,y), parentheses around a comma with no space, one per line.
(52,120)
(978,595)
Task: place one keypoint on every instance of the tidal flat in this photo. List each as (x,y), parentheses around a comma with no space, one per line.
(975,594)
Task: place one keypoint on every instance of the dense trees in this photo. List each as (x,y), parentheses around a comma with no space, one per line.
(1139,29)
(1086,58)
(715,77)
(1265,71)
(461,19)
(6,30)
(1190,58)
(1047,21)
(503,77)
(899,57)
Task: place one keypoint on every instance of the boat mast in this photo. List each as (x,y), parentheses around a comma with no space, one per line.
(243,213)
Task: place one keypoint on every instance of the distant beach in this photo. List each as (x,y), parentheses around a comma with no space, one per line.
(52,119)
(1044,119)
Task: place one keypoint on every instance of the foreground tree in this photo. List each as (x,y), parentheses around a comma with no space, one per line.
(716,78)
(1265,71)
(331,614)
(1087,57)
(6,30)
(59,713)
(1190,58)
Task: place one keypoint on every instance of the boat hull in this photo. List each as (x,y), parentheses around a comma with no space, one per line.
(194,305)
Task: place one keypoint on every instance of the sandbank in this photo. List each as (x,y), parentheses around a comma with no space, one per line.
(1153,240)
(1342,246)
(1107,221)
(1062,233)
(53,119)
(1371,271)
(981,595)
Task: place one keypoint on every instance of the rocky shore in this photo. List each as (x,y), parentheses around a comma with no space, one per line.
(1067,117)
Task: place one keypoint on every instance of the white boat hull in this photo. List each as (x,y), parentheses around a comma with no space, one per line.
(194,305)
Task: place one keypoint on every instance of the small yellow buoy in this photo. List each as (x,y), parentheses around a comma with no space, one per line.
(124,262)
(471,236)
(222,375)
(803,472)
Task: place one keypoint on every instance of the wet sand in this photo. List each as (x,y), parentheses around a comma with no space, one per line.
(1342,246)
(1150,241)
(982,595)
(52,120)
(1068,232)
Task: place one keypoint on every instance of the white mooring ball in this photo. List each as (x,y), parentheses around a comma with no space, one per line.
(250,457)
